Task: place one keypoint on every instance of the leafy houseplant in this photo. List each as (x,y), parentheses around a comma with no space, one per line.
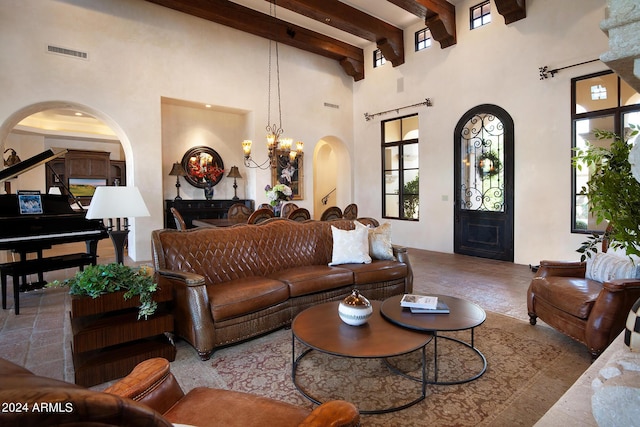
(614,193)
(101,279)
(411,200)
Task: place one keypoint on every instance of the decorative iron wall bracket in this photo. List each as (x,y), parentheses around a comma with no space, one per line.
(545,72)
(427,102)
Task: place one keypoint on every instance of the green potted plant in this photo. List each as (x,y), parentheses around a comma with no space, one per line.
(613,191)
(104,279)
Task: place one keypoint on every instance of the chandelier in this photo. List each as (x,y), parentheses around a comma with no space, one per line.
(279,147)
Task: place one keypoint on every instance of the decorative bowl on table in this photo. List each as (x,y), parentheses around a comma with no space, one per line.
(355,309)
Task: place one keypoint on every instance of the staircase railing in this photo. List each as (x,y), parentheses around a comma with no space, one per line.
(325,199)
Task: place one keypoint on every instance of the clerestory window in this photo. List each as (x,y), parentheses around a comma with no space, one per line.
(378,58)
(423,39)
(480,15)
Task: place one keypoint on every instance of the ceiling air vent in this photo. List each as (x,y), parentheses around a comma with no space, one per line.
(67,52)
(329,105)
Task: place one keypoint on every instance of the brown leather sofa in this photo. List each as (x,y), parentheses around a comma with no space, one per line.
(588,311)
(234,283)
(150,396)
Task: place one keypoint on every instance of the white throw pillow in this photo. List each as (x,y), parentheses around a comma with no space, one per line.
(380,242)
(604,267)
(350,246)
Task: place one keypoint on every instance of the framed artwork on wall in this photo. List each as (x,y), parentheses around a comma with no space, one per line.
(290,173)
(203,165)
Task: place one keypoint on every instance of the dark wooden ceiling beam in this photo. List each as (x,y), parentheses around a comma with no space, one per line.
(389,39)
(438,15)
(512,10)
(248,20)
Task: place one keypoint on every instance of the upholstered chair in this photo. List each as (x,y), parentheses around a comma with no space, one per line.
(333,212)
(151,396)
(260,215)
(177,217)
(287,208)
(239,212)
(350,212)
(300,214)
(588,302)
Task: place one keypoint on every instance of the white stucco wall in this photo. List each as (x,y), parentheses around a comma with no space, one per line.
(495,64)
(140,52)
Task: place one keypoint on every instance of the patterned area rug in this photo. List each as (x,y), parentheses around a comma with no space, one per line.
(529,368)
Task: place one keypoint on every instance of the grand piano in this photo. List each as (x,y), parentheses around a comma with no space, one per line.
(32,233)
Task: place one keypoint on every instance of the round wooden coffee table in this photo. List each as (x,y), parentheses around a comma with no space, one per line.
(321,329)
(464,315)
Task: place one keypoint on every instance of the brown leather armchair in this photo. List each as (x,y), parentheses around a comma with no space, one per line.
(151,396)
(591,312)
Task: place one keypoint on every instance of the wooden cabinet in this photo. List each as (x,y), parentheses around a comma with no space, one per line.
(199,209)
(56,174)
(87,164)
(82,164)
(118,171)
(109,340)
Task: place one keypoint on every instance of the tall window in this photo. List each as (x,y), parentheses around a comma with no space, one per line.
(400,175)
(599,101)
(480,15)
(378,58)
(423,39)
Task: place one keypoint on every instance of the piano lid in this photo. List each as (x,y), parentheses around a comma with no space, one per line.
(31,163)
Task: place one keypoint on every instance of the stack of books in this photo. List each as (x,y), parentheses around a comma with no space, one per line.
(423,304)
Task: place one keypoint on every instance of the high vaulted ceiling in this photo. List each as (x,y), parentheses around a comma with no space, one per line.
(339,29)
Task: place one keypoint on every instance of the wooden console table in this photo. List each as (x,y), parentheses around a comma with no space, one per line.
(199,209)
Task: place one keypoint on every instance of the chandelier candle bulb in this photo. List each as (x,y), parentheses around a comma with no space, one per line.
(246,147)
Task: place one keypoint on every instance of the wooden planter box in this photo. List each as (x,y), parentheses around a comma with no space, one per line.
(109,340)
(87,306)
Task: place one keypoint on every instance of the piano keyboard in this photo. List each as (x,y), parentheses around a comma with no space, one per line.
(49,236)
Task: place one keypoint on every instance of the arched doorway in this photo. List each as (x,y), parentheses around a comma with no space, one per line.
(332,180)
(483,212)
(32,141)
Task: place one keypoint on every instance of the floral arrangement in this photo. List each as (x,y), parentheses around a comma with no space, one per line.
(278,193)
(208,172)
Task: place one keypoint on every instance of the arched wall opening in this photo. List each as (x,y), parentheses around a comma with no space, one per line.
(8,126)
(332,178)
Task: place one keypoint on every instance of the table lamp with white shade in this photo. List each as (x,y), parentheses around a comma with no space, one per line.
(117,202)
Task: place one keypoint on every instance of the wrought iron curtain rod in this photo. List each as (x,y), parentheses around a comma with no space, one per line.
(427,102)
(545,72)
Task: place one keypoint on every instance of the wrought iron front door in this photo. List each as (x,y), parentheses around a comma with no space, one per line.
(483,142)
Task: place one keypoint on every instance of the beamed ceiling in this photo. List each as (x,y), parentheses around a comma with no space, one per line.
(339,29)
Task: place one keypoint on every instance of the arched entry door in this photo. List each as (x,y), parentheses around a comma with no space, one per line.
(483,142)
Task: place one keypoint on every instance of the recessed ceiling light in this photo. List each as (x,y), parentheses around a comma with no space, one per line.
(207,105)
(78,113)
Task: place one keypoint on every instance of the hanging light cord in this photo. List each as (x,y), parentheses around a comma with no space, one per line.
(271,128)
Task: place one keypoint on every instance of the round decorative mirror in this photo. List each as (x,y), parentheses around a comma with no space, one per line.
(203,166)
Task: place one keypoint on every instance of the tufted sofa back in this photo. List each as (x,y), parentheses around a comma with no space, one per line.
(224,254)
